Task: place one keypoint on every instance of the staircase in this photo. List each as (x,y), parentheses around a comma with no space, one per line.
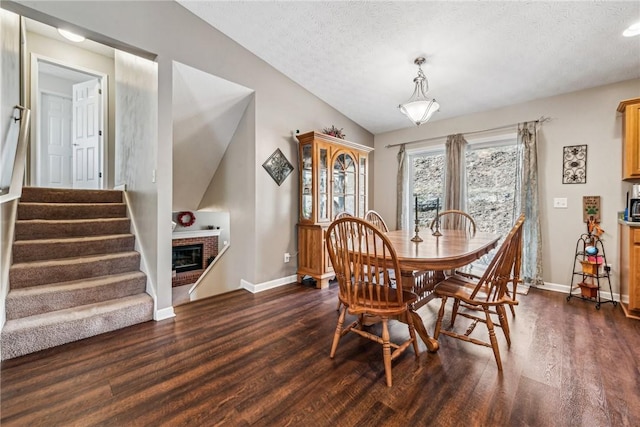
(75,273)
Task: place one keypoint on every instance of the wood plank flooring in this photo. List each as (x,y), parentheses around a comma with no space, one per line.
(241,359)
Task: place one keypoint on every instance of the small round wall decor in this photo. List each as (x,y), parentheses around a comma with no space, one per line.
(186,218)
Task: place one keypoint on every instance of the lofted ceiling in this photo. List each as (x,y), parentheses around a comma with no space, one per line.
(358,56)
(206,112)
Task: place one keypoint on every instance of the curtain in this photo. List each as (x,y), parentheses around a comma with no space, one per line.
(527,202)
(455,177)
(401,188)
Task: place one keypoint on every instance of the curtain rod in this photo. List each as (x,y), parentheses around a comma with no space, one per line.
(540,120)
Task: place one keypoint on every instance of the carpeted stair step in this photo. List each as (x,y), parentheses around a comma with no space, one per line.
(43,249)
(33,210)
(65,195)
(59,296)
(51,229)
(34,333)
(35,273)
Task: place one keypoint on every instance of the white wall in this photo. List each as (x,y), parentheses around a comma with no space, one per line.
(9,97)
(232,190)
(135,152)
(585,117)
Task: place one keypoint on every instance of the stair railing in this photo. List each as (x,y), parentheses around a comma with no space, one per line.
(14,155)
(209,267)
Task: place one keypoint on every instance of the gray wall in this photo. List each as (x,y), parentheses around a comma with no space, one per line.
(585,117)
(280,105)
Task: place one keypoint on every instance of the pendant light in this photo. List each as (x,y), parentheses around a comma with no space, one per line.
(419,108)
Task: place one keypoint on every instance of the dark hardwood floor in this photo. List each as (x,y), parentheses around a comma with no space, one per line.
(241,359)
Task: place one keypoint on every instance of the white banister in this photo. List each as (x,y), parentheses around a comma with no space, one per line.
(14,159)
(215,261)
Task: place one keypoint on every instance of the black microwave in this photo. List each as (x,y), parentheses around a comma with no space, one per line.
(634,210)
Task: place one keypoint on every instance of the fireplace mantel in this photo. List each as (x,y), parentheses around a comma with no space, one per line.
(194,233)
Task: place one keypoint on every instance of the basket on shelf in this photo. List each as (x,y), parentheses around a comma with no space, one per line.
(588,290)
(590,267)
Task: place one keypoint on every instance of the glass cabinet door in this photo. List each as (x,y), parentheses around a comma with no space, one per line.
(344,185)
(307,182)
(323,186)
(362,206)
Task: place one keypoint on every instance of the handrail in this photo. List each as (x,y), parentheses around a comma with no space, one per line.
(209,267)
(11,189)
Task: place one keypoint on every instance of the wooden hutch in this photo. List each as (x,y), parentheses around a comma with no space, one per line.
(333,179)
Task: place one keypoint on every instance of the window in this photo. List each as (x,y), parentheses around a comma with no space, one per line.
(491,180)
(491,184)
(427,182)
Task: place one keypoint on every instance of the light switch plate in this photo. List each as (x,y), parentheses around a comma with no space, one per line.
(560,202)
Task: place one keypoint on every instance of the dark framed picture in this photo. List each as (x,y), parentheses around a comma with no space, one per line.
(574,164)
(278,166)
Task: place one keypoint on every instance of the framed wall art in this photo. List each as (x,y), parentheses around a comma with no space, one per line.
(278,166)
(574,164)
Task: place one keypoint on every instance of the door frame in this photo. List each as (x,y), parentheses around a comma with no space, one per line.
(35,100)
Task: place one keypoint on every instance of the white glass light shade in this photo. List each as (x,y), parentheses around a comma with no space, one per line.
(419,111)
(70,36)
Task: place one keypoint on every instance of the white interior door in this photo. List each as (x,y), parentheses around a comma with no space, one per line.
(56,153)
(87,134)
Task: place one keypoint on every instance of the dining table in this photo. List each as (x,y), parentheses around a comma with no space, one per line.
(425,263)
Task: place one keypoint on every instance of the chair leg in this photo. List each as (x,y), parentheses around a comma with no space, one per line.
(412,334)
(339,305)
(511,307)
(454,311)
(338,333)
(492,337)
(436,332)
(386,350)
(504,323)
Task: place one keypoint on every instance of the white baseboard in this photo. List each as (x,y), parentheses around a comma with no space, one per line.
(555,287)
(267,285)
(165,313)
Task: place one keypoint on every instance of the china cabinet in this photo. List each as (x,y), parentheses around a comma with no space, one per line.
(333,179)
(631,138)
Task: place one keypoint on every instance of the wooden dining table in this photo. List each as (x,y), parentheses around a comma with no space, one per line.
(423,264)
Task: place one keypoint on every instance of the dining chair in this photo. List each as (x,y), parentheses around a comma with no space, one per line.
(454,219)
(488,294)
(362,256)
(343,214)
(376,219)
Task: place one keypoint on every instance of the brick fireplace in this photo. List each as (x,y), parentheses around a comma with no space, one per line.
(193,252)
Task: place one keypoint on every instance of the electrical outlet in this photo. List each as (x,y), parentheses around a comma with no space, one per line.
(287,257)
(560,202)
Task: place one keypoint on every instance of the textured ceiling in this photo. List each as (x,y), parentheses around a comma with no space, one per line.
(358,56)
